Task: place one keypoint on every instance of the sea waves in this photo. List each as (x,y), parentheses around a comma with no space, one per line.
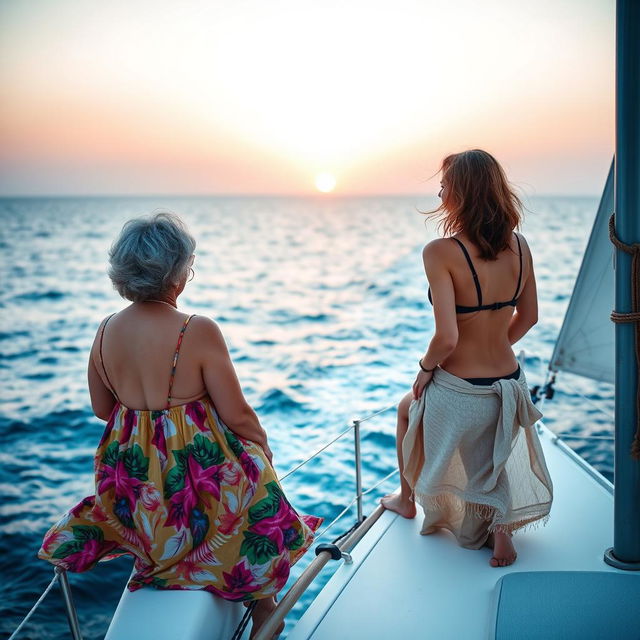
(323,306)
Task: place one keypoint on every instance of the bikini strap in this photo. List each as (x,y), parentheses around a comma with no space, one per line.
(175,359)
(473,271)
(515,295)
(106,375)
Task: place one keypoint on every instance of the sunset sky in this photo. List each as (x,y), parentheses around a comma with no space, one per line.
(272,97)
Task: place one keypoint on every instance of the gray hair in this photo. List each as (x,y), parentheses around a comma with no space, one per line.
(150,256)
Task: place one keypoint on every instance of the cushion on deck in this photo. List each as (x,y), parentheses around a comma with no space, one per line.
(566,604)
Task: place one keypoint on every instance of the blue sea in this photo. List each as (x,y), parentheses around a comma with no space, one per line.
(323,305)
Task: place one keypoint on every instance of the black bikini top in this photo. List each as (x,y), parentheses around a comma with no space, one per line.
(486,307)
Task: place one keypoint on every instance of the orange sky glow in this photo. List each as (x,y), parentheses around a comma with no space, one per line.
(158,97)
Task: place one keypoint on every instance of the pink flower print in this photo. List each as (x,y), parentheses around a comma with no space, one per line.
(52,538)
(98,514)
(106,478)
(230,474)
(197,413)
(206,482)
(90,553)
(240,580)
(198,483)
(203,555)
(249,466)
(109,428)
(126,489)
(229,521)
(159,440)
(279,527)
(186,569)
(89,501)
(312,522)
(83,559)
(149,496)
(126,485)
(182,503)
(221,593)
(280,573)
(129,422)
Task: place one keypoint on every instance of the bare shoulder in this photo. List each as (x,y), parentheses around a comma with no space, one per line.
(206,330)
(436,249)
(100,329)
(526,251)
(523,240)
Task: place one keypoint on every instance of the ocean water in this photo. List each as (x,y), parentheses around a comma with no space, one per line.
(323,305)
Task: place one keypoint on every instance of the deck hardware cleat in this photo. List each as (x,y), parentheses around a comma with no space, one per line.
(335,552)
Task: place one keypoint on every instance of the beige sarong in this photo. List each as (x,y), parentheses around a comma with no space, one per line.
(474,460)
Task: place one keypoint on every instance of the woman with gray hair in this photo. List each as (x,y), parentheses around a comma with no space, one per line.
(183,473)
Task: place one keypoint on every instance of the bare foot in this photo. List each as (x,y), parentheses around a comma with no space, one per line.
(504,552)
(394,502)
(263,609)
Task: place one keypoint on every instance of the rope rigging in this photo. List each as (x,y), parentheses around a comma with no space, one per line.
(633,316)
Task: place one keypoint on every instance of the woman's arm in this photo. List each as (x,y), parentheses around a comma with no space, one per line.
(526,314)
(445,338)
(102,400)
(223,387)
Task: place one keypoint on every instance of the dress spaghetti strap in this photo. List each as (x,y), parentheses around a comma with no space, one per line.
(106,375)
(175,360)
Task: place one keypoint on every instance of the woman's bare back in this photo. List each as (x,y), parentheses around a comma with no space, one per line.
(138,347)
(484,345)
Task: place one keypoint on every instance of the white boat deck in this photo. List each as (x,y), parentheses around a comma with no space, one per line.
(404,585)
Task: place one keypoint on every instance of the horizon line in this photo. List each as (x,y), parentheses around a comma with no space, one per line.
(320,196)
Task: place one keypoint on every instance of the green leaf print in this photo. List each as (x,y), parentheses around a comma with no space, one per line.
(234,444)
(206,452)
(174,481)
(181,456)
(267,507)
(68,548)
(175,478)
(158,583)
(136,463)
(110,456)
(87,532)
(258,549)
(296,543)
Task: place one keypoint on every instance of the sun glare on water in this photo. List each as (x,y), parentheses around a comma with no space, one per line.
(325,182)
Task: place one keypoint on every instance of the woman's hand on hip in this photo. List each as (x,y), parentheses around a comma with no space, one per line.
(422,380)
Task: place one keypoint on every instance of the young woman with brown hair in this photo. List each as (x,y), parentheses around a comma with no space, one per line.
(467,447)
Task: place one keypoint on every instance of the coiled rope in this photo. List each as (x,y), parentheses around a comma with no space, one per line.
(633,316)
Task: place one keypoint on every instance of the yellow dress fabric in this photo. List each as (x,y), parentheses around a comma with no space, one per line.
(196,505)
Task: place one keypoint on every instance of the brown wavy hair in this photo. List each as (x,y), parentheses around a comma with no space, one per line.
(479,201)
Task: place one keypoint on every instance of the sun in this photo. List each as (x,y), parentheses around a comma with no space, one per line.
(325,182)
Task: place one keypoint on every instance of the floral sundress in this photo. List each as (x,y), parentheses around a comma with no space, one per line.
(196,505)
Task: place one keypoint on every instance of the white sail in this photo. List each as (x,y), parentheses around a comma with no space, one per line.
(586,342)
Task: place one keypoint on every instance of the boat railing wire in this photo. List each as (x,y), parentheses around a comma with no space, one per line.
(35,606)
(316,454)
(539,396)
(357,499)
(60,574)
